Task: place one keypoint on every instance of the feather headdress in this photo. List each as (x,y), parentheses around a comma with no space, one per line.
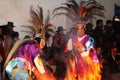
(39,26)
(36,23)
(82,11)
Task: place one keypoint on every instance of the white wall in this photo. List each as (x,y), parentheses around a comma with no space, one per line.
(18,11)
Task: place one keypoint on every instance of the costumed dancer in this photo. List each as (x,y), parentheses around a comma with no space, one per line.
(24,61)
(26,58)
(82,47)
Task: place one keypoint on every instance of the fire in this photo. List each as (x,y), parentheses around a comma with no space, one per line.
(83,68)
(78,68)
(71,72)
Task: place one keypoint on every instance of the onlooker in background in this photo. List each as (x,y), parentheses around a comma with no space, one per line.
(58,47)
(59,38)
(109,31)
(15,37)
(112,65)
(116,24)
(99,33)
(7,37)
(109,35)
(102,59)
(100,54)
(89,29)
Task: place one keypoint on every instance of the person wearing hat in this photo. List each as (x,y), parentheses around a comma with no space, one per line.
(59,38)
(83,52)
(8,37)
(10,25)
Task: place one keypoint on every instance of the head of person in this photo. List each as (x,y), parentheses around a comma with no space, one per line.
(88,28)
(99,23)
(114,51)
(10,25)
(108,23)
(99,50)
(80,28)
(60,30)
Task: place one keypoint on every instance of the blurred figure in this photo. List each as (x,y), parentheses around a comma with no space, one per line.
(99,33)
(112,65)
(89,29)
(59,38)
(58,47)
(8,38)
(15,37)
(109,31)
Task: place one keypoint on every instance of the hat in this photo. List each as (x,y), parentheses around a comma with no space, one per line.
(60,28)
(80,24)
(10,24)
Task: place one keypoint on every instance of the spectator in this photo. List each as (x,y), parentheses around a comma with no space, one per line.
(15,37)
(59,38)
(89,29)
(7,37)
(112,65)
(99,33)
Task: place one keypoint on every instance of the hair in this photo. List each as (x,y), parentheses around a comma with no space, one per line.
(99,21)
(37,39)
(108,21)
(15,34)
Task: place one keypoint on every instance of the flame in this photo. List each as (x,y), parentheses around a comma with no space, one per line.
(84,66)
(92,72)
(80,67)
(71,72)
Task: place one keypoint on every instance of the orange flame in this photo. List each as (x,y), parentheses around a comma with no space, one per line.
(83,66)
(91,73)
(71,72)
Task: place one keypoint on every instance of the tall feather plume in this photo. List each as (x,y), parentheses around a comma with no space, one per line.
(37,19)
(36,22)
(84,10)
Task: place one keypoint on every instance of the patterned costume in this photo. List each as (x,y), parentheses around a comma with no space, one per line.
(86,62)
(24,60)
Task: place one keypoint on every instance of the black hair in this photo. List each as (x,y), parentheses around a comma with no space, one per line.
(108,21)
(15,34)
(37,39)
(99,21)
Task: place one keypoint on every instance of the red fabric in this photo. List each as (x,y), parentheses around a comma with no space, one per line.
(59,39)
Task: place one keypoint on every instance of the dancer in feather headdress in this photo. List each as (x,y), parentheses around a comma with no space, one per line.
(24,61)
(81,45)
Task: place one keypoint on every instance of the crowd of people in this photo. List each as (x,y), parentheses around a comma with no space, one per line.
(82,43)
